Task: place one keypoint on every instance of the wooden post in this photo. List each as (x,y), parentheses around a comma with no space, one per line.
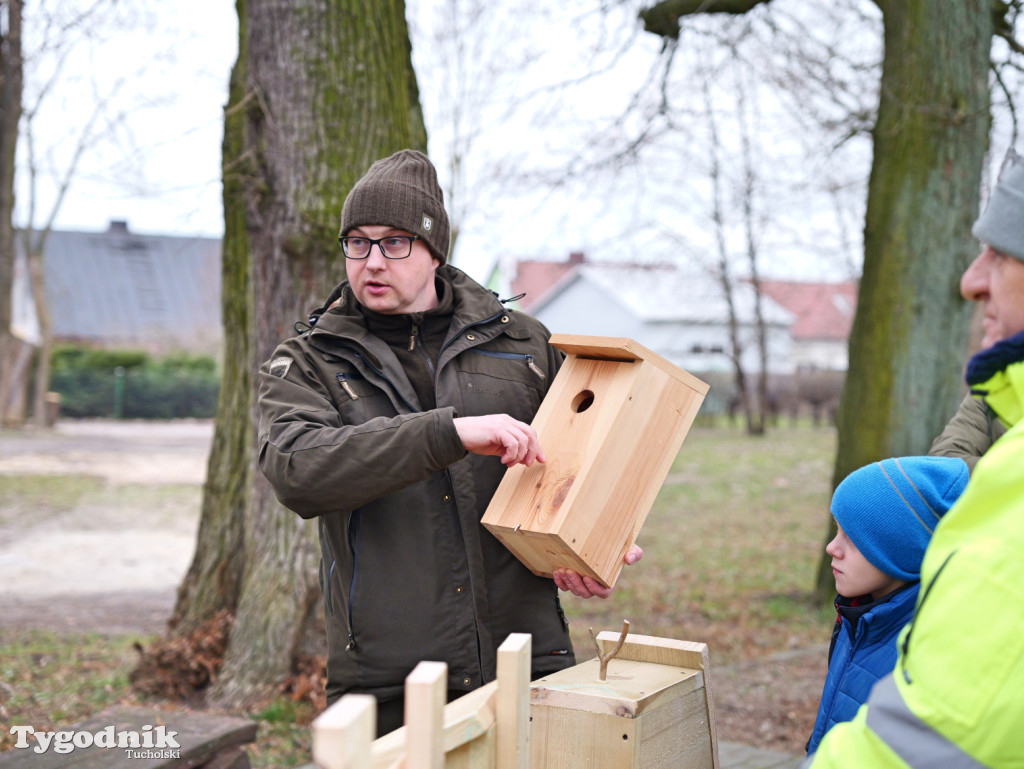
(342,734)
(513,705)
(425,694)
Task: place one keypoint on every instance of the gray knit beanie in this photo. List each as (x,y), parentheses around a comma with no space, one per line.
(1002,224)
(401,191)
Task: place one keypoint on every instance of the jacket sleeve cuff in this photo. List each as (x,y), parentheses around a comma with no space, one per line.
(447,444)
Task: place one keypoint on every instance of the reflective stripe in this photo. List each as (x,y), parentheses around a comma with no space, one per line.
(917,743)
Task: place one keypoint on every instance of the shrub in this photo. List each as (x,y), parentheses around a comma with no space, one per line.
(102,383)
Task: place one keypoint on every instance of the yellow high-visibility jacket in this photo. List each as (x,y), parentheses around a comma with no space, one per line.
(956,697)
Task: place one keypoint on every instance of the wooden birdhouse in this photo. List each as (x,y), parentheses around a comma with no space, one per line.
(653,710)
(610,427)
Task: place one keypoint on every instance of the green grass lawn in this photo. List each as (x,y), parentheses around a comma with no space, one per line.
(731,548)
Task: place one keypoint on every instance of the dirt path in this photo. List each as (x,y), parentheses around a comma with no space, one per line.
(112,558)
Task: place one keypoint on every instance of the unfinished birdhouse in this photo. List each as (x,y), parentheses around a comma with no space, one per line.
(654,710)
(610,427)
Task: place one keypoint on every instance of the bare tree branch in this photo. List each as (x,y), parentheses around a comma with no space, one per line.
(663,18)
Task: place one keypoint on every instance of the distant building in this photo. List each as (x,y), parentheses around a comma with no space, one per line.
(824,317)
(120,289)
(679,313)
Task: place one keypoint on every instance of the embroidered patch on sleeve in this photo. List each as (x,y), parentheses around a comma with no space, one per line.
(279,366)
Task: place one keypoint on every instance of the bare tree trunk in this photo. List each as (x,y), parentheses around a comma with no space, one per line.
(756,424)
(11,81)
(724,270)
(316,96)
(42,383)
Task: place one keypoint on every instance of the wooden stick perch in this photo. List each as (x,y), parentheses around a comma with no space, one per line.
(604,659)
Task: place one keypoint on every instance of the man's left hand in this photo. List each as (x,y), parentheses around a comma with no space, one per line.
(587,587)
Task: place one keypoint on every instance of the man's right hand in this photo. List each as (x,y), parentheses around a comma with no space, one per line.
(500,435)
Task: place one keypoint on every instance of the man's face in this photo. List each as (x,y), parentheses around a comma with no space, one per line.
(393,286)
(997,280)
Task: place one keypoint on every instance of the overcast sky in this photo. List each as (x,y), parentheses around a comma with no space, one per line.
(165,70)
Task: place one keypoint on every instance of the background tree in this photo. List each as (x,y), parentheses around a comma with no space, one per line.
(57,38)
(11,81)
(316,96)
(930,142)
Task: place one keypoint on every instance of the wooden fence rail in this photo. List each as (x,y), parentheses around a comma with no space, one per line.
(654,711)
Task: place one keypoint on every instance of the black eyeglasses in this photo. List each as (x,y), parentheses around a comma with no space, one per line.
(393,246)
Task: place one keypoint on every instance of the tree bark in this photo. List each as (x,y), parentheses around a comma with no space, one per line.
(321,89)
(11,82)
(910,332)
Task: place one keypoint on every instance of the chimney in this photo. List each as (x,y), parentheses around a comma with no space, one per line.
(118,227)
(576,257)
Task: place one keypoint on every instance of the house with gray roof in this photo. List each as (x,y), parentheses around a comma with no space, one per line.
(121,289)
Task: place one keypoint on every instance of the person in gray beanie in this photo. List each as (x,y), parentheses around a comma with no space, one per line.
(973,430)
(885,515)
(391,420)
(953,698)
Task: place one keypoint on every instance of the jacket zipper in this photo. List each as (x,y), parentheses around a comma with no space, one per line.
(353,535)
(917,613)
(381,374)
(343,380)
(457,334)
(514,356)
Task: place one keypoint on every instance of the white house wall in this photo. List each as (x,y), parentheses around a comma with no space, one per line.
(584,308)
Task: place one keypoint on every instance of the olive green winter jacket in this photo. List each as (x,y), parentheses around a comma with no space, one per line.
(969,434)
(407,571)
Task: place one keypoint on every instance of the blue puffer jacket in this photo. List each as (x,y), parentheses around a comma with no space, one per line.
(863,651)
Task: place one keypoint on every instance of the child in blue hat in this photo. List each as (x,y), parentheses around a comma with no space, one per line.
(885,515)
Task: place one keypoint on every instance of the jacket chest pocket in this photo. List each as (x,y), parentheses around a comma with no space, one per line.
(501,383)
(358,400)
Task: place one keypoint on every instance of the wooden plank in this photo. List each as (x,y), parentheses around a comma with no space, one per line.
(342,734)
(467,720)
(667,651)
(513,703)
(623,349)
(631,688)
(625,474)
(561,739)
(676,735)
(661,651)
(425,689)
(199,735)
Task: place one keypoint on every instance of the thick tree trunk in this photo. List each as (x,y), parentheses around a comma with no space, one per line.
(321,89)
(11,80)
(909,335)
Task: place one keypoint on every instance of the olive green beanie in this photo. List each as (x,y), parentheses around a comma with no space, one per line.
(401,191)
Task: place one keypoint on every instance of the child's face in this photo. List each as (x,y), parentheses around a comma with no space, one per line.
(855,576)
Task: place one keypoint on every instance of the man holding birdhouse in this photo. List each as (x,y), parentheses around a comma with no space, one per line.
(954,699)
(391,421)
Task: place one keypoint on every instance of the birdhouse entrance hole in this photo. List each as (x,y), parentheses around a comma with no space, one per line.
(583,401)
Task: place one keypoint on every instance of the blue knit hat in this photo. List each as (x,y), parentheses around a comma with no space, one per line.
(889,509)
